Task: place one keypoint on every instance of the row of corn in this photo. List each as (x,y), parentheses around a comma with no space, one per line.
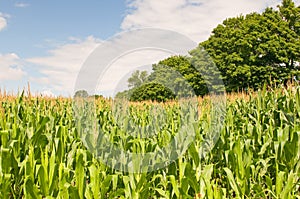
(256,153)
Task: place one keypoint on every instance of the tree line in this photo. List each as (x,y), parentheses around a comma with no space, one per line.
(248,51)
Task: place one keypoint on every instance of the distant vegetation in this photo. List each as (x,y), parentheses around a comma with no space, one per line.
(81,93)
(85,94)
(249,51)
(152,91)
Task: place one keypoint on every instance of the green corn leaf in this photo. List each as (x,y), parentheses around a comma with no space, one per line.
(232,182)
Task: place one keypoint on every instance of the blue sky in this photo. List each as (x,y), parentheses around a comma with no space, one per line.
(46,42)
(35,24)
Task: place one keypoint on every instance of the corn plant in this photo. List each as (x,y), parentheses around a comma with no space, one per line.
(257,155)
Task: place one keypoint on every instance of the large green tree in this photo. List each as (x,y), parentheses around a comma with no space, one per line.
(257,48)
(244,51)
(177,74)
(185,75)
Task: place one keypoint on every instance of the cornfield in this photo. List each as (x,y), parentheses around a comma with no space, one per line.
(257,154)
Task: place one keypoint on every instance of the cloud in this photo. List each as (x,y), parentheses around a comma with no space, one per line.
(194,18)
(3,22)
(21,5)
(60,68)
(10,67)
(115,78)
(113,60)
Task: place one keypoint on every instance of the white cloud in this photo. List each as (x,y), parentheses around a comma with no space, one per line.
(113,79)
(193,18)
(126,52)
(60,68)
(21,5)
(3,22)
(10,67)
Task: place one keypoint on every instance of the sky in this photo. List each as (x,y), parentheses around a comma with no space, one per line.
(46,43)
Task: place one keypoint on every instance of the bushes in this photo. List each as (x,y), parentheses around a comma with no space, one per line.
(152,91)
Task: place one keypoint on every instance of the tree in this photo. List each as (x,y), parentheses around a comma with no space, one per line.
(184,76)
(152,91)
(123,94)
(137,78)
(247,51)
(178,74)
(252,50)
(290,14)
(81,94)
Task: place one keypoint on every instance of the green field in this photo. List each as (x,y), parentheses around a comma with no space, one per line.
(257,154)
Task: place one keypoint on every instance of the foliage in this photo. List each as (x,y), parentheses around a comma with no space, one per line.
(97,96)
(184,76)
(124,94)
(178,74)
(137,78)
(152,91)
(243,52)
(257,48)
(256,156)
(81,93)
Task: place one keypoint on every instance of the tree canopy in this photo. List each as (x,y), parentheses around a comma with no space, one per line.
(152,91)
(247,51)
(137,78)
(257,48)
(179,75)
(81,94)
